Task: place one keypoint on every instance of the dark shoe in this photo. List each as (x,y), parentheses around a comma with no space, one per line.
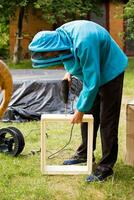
(74,161)
(99,176)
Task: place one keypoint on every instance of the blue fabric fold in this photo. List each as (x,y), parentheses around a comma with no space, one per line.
(49,41)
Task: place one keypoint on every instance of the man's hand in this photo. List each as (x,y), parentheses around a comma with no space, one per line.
(77,117)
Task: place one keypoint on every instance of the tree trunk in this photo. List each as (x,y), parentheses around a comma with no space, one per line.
(17,48)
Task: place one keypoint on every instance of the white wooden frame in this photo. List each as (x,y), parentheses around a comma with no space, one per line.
(65,169)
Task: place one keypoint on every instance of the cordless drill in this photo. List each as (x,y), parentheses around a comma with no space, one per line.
(65,92)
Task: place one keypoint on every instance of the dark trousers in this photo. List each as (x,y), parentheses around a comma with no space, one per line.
(106,112)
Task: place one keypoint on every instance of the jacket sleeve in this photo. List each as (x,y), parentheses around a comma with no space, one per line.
(88,53)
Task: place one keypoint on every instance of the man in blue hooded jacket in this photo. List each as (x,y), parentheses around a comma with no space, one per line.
(89,53)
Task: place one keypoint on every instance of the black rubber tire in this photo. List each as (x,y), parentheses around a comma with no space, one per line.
(21,139)
(17,137)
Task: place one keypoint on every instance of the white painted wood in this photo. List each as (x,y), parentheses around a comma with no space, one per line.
(65,169)
(43,146)
(63,117)
(90,146)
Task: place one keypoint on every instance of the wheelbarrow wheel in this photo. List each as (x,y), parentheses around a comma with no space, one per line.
(11,141)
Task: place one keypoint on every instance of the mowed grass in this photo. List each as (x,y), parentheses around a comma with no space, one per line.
(21,178)
(25,64)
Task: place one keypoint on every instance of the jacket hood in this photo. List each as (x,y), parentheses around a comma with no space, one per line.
(49,41)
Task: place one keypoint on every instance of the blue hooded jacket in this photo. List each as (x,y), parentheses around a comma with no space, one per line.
(94,57)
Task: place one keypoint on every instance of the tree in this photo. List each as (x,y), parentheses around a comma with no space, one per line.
(58,12)
(7,10)
(129,15)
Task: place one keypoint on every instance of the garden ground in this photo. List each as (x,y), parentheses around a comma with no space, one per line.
(21,179)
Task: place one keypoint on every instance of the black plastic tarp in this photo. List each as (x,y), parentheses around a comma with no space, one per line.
(35,92)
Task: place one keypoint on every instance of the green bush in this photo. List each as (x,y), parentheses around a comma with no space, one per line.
(129,16)
(4,39)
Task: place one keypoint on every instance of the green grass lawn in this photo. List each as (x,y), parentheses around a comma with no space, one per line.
(26,64)
(21,179)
